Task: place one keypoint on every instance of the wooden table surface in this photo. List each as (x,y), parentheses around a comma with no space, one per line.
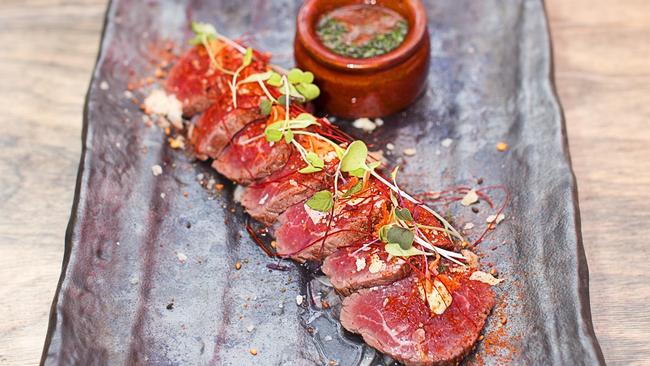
(602,66)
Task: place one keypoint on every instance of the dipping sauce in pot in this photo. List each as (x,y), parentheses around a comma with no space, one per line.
(362,31)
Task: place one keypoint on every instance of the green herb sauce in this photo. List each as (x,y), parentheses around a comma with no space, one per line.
(362,31)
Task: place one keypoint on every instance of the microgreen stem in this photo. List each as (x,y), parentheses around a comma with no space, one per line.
(232,43)
(324,139)
(266,91)
(413,200)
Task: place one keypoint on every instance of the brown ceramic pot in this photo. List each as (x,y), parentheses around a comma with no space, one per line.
(370,87)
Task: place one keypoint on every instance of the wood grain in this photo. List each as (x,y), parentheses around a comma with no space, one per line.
(49,49)
(601,48)
(602,67)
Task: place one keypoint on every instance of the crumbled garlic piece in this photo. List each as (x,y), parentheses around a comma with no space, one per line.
(468,226)
(160,103)
(470,198)
(361,263)
(181,256)
(364,124)
(376,264)
(446,142)
(156,170)
(495,219)
(470,258)
(299,300)
(238,193)
(410,152)
(485,278)
(436,295)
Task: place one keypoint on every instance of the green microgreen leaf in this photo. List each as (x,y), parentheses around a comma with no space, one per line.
(203,32)
(309,169)
(403,214)
(273,133)
(306,117)
(314,160)
(288,136)
(321,201)
(399,235)
(282,100)
(359,173)
(275,79)
(393,199)
(293,92)
(294,76)
(301,123)
(383,233)
(248,57)
(308,91)
(254,78)
(354,157)
(354,189)
(297,76)
(396,250)
(307,77)
(374,165)
(265,107)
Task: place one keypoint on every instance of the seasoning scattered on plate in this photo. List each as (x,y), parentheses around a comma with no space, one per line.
(410,152)
(502,146)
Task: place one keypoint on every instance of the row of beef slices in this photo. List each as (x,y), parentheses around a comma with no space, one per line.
(417,321)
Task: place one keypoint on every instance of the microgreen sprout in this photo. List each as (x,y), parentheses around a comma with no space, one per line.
(204,34)
(321,201)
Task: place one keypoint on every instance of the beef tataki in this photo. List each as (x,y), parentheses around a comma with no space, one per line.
(306,234)
(397,319)
(265,200)
(248,157)
(354,268)
(220,123)
(193,82)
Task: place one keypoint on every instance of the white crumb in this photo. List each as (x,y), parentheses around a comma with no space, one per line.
(239,193)
(446,142)
(103,85)
(470,198)
(160,103)
(181,257)
(410,152)
(390,146)
(156,170)
(299,299)
(495,219)
(364,124)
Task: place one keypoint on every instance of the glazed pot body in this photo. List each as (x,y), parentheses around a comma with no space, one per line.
(371,87)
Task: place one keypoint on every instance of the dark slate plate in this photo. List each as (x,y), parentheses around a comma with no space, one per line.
(125,297)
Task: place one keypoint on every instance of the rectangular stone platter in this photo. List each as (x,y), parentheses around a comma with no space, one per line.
(125,297)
